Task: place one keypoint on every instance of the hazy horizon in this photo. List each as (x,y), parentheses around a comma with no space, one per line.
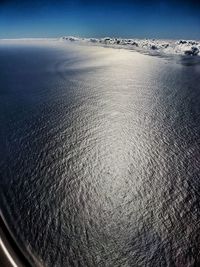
(117,37)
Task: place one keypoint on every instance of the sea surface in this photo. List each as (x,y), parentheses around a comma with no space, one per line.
(100,155)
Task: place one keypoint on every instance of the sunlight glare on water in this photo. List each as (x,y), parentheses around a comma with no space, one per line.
(100,165)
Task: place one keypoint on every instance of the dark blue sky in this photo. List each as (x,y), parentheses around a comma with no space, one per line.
(125,18)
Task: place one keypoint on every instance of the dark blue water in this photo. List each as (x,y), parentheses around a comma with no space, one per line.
(100,155)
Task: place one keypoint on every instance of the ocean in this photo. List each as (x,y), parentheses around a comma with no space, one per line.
(100,154)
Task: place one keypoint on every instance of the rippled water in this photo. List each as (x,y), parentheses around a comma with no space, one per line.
(100,155)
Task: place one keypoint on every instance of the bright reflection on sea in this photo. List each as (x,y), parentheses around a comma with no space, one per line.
(102,155)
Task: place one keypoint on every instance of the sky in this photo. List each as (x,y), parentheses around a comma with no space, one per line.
(168,19)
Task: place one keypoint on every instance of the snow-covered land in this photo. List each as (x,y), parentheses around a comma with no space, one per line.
(154,46)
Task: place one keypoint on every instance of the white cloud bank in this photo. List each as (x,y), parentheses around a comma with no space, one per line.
(154,46)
